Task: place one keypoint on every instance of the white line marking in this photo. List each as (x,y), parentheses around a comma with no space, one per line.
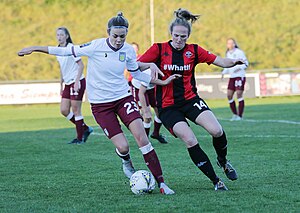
(265,121)
(231,136)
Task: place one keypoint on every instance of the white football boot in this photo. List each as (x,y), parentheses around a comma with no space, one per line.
(238,118)
(165,190)
(234,117)
(128,168)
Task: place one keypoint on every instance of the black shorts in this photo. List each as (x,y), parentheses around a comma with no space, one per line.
(190,109)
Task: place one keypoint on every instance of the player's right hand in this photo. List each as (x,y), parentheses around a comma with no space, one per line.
(155,71)
(172,78)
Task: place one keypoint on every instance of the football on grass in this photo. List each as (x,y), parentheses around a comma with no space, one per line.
(142,182)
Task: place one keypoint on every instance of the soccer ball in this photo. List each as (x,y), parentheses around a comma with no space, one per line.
(142,182)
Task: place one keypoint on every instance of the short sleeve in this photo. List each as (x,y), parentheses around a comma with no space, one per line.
(205,56)
(241,55)
(86,49)
(76,59)
(151,55)
(131,63)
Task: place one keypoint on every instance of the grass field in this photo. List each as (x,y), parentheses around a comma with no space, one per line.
(39,172)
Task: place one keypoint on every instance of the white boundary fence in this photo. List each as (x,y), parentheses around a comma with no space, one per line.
(210,86)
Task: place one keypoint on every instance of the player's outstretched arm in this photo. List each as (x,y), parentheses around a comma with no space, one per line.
(227,62)
(29,50)
(61,51)
(167,81)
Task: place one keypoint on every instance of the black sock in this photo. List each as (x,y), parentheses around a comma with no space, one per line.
(220,145)
(124,157)
(201,160)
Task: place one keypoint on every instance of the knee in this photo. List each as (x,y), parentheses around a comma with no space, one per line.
(240,96)
(76,111)
(65,111)
(123,148)
(217,132)
(190,140)
(142,139)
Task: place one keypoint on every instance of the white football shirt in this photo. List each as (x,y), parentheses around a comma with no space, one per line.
(69,67)
(105,69)
(137,84)
(238,70)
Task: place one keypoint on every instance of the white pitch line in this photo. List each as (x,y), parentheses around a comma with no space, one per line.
(231,136)
(265,121)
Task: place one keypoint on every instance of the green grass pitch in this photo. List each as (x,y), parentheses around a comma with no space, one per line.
(39,172)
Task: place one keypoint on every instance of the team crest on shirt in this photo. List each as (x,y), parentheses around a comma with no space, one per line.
(84,45)
(122,56)
(188,54)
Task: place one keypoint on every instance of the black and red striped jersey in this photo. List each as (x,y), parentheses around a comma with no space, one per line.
(172,61)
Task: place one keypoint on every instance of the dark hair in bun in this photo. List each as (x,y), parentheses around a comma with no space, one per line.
(118,21)
(183,18)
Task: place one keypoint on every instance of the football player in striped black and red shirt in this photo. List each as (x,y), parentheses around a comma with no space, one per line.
(179,100)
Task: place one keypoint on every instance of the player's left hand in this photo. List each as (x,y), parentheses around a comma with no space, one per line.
(155,71)
(25,51)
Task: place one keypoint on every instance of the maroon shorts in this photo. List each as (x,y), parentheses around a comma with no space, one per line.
(69,93)
(106,115)
(236,83)
(149,96)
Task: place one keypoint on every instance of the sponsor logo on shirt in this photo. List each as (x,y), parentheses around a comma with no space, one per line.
(84,45)
(173,67)
(188,54)
(122,56)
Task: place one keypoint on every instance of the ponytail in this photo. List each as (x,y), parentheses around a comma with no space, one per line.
(183,18)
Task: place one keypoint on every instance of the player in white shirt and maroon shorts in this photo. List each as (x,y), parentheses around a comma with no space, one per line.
(237,79)
(72,87)
(144,96)
(109,93)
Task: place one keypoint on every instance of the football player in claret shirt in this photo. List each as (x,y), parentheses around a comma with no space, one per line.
(237,79)
(109,93)
(144,96)
(72,87)
(179,100)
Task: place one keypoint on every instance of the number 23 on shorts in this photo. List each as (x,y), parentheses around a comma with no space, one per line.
(131,107)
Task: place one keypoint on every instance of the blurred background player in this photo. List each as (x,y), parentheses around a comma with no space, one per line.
(109,93)
(144,95)
(136,49)
(179,100)
(237,79)
(72,87)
